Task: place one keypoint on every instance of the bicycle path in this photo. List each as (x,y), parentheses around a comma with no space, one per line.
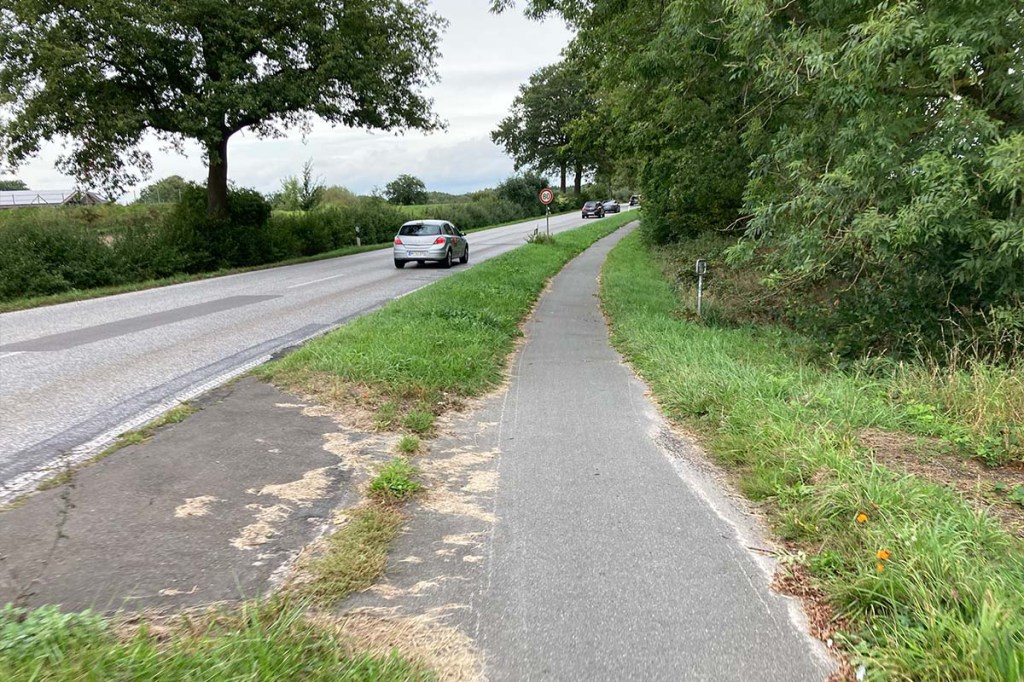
(609,559)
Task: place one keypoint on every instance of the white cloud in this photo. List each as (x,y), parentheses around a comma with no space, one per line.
(485,58)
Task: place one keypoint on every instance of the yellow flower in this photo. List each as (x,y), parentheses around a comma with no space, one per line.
(879,567)
(862,517)
(883,554)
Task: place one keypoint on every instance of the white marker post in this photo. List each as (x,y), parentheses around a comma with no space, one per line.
(546,197)
(702,268)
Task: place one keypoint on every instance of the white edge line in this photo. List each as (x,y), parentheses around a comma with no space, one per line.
(11,354)
(316,281)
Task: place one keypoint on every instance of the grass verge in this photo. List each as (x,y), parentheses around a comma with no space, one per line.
(395,482)
(412,359)
(269,641)
(354,555)
(927,584)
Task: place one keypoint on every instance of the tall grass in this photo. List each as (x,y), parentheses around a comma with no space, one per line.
(946,602)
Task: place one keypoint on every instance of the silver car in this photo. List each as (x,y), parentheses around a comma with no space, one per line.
(433,240)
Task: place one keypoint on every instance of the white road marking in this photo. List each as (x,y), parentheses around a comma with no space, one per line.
(315,281)
(10,355)
(412,292)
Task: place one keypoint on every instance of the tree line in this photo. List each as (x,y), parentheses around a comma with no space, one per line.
(867,156)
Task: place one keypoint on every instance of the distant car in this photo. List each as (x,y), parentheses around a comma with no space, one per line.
(592,209)
(610,206)
(634,199)
(430,240)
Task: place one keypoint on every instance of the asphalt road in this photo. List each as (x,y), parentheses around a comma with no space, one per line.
(73,376)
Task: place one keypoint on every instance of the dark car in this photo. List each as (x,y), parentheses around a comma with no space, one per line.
(592,209)
(611,206)
(634,199)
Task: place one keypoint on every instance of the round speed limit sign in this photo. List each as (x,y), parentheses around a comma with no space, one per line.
(546,196)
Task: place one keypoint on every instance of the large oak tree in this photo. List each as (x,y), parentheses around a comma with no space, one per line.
(101,74)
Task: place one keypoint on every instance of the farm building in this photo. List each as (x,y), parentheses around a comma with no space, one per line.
(30,198)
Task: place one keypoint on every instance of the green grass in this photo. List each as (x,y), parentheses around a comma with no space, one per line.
(257,642)
(355,555)
(450,340)
(948,604)
(419,420)
(395,482)
(408,445)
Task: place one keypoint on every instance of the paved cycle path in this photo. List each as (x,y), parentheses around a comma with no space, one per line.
(610,558)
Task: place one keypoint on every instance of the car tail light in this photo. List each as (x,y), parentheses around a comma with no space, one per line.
(398,241)
(439,240)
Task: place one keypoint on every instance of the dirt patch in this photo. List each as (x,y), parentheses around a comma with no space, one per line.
(312,486)
(423,639)
(985,488)
(262,529)
(455,482)
(195,506)
(794,580)
(360,456)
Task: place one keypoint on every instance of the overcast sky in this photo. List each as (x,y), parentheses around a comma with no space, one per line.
(485,58)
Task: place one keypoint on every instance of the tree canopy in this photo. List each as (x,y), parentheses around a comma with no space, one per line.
(12,185)
(870,153)
(164,191)
(537,133)
(300,193)
(102,74)
(406,190)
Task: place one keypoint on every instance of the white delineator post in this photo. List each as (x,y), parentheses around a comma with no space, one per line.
(702,268)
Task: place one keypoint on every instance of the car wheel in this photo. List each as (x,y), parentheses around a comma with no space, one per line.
(465,257)
(447,262)
(399,264)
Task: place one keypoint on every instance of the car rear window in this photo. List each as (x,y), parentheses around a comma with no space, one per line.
(419,230)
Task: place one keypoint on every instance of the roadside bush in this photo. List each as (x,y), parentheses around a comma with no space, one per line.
(378,220)
(469,216)
(107,219)
(522,191)
(240,239)
(37,260)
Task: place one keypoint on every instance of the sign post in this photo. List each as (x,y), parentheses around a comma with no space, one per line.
(702,268)
(546,197)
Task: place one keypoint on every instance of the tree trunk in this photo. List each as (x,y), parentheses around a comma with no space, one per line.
(578,185)
(562,168)
(217,181)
